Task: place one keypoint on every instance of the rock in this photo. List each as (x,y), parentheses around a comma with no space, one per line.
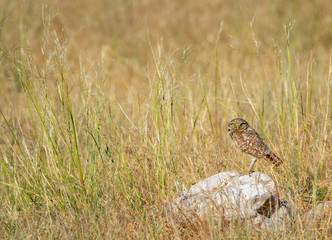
(321,210)
(230,196)
(321,216)
(281,216)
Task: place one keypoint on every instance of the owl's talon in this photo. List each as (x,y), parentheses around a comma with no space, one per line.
(246,172)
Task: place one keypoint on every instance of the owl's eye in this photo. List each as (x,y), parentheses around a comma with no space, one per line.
(242,124)
(233,124)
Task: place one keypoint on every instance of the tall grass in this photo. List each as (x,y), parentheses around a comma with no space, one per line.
(108,109)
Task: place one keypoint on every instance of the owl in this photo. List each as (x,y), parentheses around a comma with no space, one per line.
(250,142)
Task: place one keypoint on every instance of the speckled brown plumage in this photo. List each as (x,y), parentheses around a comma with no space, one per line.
(250,142)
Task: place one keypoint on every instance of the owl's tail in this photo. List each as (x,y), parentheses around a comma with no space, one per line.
(273,159)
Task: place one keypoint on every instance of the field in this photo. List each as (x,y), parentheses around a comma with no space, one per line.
(108,109)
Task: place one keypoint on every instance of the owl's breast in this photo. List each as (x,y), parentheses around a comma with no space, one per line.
(239,139)
(249,143)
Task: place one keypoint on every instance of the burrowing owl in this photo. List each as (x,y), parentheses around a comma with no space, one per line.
(250,142)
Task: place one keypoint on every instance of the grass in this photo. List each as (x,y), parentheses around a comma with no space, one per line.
(110,108)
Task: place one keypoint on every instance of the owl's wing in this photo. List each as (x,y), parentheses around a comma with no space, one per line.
(253,144)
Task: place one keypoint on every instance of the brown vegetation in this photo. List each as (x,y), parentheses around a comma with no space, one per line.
(110,107)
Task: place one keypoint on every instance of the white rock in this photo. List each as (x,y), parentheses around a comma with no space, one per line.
(228,196)
(321,210)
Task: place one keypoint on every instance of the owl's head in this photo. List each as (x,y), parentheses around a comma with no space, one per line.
(237,124)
